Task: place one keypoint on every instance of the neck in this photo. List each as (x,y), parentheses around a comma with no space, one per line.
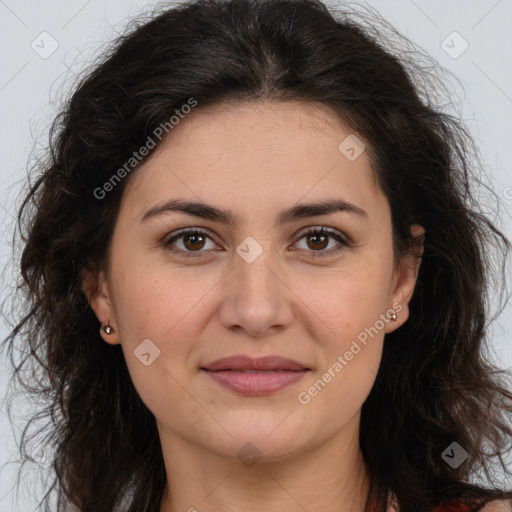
(332,477)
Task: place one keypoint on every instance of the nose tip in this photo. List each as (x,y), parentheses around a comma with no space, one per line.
(255,298)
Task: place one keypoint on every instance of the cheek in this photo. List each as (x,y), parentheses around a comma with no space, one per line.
(152,305)
(347,300)
(152,302)
(170,309)
(351,342)
(348,328)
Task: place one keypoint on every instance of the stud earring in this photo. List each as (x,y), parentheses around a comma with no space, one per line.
(394,317)
(108,329)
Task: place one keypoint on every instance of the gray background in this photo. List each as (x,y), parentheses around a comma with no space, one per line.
(31,87)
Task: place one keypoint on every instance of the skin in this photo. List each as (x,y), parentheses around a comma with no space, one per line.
(255,160)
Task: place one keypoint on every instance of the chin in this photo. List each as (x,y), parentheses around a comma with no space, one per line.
(271,437)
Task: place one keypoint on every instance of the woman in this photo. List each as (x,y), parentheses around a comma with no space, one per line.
(256,276)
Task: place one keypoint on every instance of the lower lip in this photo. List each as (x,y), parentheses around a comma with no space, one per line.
(258,383)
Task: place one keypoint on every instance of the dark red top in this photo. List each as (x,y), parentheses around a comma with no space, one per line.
(447,508)
(452,508)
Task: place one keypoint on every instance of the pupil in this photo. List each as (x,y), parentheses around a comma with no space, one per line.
(323,237)
(194,244)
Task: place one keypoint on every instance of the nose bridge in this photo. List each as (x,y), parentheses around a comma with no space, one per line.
(255,298)
(252,264)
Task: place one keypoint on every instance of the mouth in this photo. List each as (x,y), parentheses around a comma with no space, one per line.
(255,377)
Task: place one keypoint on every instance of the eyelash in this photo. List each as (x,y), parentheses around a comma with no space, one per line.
(343,243)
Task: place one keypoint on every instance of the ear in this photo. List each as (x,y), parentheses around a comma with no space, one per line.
(95,288)
(406,275)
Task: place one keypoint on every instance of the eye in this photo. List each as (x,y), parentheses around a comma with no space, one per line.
(318,239)
(193,241)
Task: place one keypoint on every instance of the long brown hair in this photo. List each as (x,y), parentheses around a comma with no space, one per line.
(435,384)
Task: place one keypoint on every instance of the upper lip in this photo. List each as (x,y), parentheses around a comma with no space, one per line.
(241,362)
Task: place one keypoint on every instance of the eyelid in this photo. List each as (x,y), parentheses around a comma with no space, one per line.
(166,240)
(344,242)
(324,229)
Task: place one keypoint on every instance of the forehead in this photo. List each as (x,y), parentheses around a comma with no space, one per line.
(257,155)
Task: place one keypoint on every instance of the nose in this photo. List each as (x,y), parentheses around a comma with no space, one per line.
(256,296)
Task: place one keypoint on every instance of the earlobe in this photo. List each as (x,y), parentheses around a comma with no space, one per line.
(407,275)
(95,288)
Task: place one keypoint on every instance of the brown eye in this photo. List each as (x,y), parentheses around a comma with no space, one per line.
(193,241)
(318,239)
(188,242)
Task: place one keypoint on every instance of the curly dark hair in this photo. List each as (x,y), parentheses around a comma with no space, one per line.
(443,388)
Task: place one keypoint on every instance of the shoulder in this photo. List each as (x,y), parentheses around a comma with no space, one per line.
(491,506)
(498,506)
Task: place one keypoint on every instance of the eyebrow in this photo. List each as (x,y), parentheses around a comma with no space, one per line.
(295,213)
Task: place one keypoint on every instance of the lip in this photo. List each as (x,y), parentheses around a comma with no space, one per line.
(255,377)
(242,362)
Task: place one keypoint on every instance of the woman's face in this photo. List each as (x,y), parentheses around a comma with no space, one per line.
(257,286)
